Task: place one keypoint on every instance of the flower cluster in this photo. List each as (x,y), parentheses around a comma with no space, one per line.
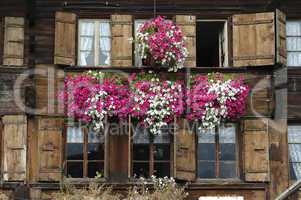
(163,41)
(212,100)
(89,99)
(156,102)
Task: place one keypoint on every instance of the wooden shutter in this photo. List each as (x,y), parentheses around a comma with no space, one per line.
(255,37)
(185,152)
(281,37)
(188,26)
(122,51)
(256,147)
(14,147)
(50,148)
(13,41)
(65,30)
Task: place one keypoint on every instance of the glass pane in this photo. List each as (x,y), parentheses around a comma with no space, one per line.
(75,135)
(75,151)
(206,151)
(94,167)
(206,137)
(105,44)
(206,169)
(161,169)
(293,175)
(141,170)
(294,43)
(86,43)
(86,58)
(105,29)
(140,135)
(294,134)
(228,169)
(94,137)
(138,61)
(162,152)
(87,28)
(295,152)
(104,58)
(95,151)
(228,152)
(294,58)
(227,133)
(74,169)
(164,138)
(293,28)
(141,152)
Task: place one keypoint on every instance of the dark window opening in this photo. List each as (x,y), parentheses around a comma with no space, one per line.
(211,44)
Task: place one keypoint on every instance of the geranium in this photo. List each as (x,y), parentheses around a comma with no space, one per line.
(212,100)
(155,103)
(163,41)
(91,97)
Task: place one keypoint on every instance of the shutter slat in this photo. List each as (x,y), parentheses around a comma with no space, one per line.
(13,41)
(185,152)
(50,148)
(122,48)
(256,149)
(14,137)
(187,24)
(65,30)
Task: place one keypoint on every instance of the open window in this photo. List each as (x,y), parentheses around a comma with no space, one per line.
(211,43)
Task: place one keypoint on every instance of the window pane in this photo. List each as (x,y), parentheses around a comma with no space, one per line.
(94,137)
(86,43)
(295,152)
(141,152)
(206,151)
(163,138)
(293,28)
(140,135)
(75,135)
(206,137)
(295,172)
(86,58)
(228,169)
(294,43)
(206,169)
(141,170)
(95,151)
(138,61)
(227,133)
(294,134)
(75,151)
(104,58)
(75,169)
(105,29)
(162,152)
(162,169)
(94,167)
(105,44)
(86,28)
(228,152)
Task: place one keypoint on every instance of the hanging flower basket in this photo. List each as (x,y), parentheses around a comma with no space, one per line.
(161,43)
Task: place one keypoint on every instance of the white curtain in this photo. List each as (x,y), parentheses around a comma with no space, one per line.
(75,135)
(294,139)
(138,61)
(105,43)
(86,43)
(293,31)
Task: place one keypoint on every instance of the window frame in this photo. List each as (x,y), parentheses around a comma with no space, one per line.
(96,45)
(152,161)
(238,155)
(288,147)
(288,36)
(85,160)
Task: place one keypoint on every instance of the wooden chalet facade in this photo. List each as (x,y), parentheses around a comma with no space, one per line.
(41,41)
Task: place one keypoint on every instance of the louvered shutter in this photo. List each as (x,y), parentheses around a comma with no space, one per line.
(49,81)
(122,48)
(185,151)
(13,53)
(258,39)
(256,149)
(14,147)
(65,30)
(187,24)
(50,148)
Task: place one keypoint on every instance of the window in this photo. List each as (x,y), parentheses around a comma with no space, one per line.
(138,60)
(294,144)
(84,153)
(151,157)
(211,43)
(94,46)
(293,32)
(217,153)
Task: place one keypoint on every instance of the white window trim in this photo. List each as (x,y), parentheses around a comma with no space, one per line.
(97,37)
